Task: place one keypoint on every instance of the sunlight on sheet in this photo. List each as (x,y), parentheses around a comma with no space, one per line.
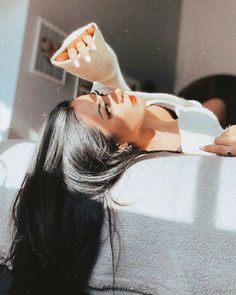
(225,217)
(14,163)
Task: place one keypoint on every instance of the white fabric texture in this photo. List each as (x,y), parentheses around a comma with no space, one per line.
(198,126)
(178,230)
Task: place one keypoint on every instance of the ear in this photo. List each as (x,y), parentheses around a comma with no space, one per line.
(122,146)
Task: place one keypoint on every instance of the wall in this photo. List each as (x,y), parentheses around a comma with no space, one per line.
(12,26)
(143,33)
(207,40)
(35,95)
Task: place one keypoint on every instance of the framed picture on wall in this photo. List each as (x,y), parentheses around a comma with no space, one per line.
(82,87)
(48,39)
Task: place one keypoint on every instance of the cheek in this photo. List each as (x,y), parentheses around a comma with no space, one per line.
(95,122)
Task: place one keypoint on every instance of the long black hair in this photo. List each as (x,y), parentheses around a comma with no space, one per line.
(60,208)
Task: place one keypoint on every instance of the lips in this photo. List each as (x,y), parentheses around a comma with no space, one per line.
(133,99)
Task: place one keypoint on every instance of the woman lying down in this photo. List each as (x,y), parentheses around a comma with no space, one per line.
(156,121)
(84,147)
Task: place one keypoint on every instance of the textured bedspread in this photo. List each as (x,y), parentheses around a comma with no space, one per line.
(177,231)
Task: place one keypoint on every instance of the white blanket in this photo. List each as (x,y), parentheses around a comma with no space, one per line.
(178,233)
(178,236)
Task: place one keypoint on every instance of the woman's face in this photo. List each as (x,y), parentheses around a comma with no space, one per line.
(126,115)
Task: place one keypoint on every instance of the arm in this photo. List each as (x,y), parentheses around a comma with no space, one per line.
(104,67)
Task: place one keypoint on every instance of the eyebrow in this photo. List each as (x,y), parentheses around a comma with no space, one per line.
(99,110)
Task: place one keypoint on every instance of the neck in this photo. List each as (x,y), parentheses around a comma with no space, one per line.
(156,121)
(152,128)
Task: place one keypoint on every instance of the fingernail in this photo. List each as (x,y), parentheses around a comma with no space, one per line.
(202,148)
(87,58)
(93,46)
(76,63)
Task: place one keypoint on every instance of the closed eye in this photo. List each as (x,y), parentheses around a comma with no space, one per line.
(106,106)
(108,110)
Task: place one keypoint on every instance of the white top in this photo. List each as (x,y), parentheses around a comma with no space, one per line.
(197,125)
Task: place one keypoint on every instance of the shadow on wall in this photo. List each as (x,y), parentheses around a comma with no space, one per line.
(222,86)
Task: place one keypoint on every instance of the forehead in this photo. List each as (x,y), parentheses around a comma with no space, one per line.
(85,105)
(84,98)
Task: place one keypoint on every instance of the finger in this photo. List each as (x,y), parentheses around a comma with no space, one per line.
(71,53)
(230,130)
(74,57)
(91,30)
(65,55)
(116,96)
(83,51)
(90,42)
(220,150)
(225,140)
(62,57)
(225,132)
